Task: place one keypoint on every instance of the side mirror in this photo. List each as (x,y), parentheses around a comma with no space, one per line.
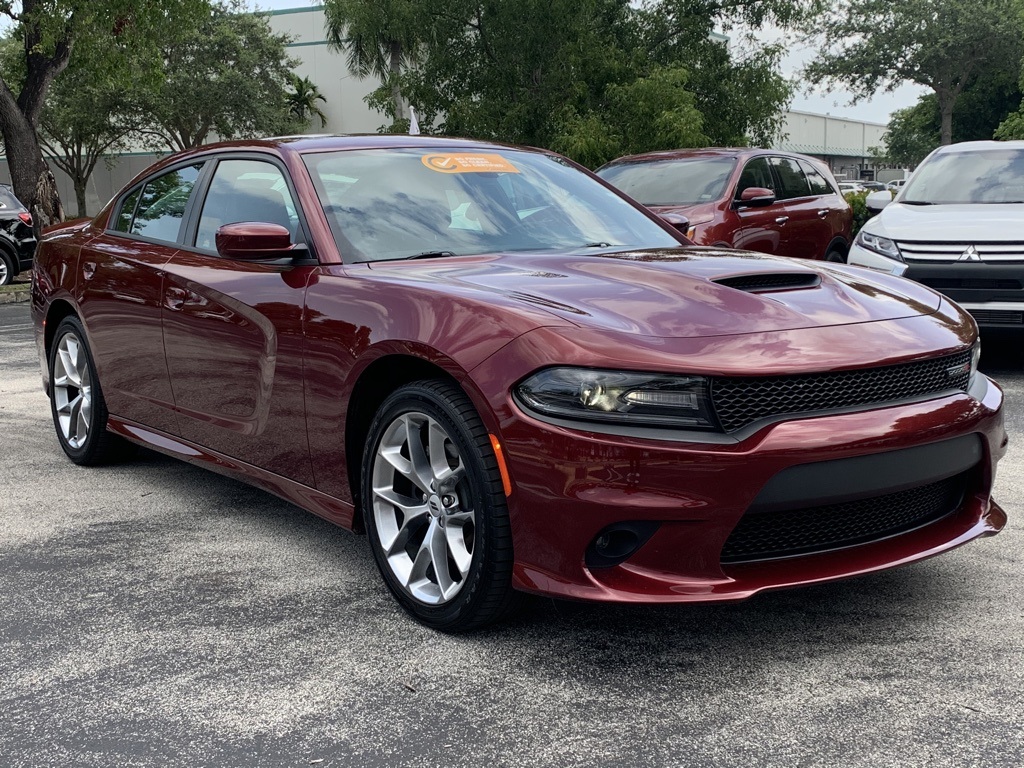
(756,197)
(254,241)
(876,201)
(677,221)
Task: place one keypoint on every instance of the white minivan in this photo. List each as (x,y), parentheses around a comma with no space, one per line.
(957,226)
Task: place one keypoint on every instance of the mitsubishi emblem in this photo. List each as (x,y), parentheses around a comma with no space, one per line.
(971,254)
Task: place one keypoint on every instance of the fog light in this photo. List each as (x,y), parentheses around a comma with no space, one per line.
(618,542)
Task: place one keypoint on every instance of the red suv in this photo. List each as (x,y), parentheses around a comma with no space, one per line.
(756,199)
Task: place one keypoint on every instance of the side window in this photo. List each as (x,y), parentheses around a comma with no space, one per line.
(246,190)
(756,173)
(792,182)
(162,204)
(123,220)
(819,185)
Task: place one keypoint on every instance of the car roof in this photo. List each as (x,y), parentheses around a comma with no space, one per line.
(741,153)
(979,146)
(340,141)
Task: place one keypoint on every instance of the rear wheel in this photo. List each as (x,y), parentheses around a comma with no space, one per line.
(434,508)
(76,399)
(836,256)
(8,269)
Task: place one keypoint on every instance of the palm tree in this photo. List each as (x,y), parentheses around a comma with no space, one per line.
(379,36)
(302,100)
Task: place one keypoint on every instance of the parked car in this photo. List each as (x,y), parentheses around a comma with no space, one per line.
(512,377)
(872,186)
(757,199)
(896,185)
(957,226)
(17,238)
(851,186)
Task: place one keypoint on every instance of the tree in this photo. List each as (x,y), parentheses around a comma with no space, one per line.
(582,75)
(49,31)
(873,45)
(302,101)
(227,74)
(380,37)
(91,110)
(985,102)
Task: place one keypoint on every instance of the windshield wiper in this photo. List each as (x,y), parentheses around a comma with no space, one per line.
(916,202)
(430,255)
(596,245)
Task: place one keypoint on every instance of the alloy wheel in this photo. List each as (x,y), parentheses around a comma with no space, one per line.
(72,390)
(423,508)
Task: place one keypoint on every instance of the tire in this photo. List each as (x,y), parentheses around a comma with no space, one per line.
(8,268)
(836,256)
(444,504)
(76,399)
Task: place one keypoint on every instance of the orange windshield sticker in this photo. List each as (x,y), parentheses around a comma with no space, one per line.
(469,164)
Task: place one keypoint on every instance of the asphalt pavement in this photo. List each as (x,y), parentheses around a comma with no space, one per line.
(155,614)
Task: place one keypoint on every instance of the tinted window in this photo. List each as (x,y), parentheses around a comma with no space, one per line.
(8,200)
(162,204)
(988,176)
(817,182)
(672,182)
(397,203)
(123,220)
(792,182)
(756,173)
(246,190)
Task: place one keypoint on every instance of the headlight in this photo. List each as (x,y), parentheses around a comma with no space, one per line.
(881,245)
(642,399)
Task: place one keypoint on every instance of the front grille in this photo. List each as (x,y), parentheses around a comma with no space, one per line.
(998,316)
(743,400)
(771,282)
(771,535)
(930,252)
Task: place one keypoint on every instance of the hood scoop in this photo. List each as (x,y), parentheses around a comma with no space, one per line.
(771,281)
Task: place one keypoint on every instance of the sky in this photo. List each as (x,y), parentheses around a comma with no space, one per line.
(820,101)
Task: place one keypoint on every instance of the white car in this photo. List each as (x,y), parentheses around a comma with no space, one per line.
(851,186)
(896,186)
(957,226)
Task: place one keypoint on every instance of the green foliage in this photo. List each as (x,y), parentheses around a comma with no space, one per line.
(593,78)
(857,201)
(872,45)
(228,73)
(302,101)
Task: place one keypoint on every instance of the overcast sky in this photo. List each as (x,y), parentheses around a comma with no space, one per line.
(836,103)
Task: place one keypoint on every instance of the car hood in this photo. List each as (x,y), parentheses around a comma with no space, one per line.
(950,223)
(672,293)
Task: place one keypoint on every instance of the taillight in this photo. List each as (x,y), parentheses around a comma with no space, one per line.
(26,217)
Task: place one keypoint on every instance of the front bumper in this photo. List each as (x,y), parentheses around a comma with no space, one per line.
(570,485)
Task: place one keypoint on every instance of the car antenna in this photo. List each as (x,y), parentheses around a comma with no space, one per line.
(414,124)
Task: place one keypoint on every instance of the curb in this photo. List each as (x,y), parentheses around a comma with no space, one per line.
(14,297)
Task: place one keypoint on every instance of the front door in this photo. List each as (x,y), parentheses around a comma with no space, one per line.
(233,329)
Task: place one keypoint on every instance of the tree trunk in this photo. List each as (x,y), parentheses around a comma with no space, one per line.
(946,103)
(395,66)
(34,183)
(80,184)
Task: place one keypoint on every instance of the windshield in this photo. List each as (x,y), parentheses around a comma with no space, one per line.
(989,176)
(672,182)
(401,203)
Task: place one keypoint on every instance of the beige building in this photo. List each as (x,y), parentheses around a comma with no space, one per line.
(845,144)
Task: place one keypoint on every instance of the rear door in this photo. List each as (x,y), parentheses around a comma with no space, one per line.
(121,274)
(233,330)
(804,230)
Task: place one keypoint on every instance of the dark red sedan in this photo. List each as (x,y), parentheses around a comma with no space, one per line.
(757,199)
(513,378)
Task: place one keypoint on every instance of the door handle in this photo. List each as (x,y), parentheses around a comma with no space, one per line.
(781,219)
(823,212)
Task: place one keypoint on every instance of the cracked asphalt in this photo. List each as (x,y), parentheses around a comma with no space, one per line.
(156,614)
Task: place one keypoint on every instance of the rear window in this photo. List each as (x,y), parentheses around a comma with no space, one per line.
(8,201)
(792,182)
(684,181)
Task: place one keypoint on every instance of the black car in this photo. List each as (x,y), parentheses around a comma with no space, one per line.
(17,239)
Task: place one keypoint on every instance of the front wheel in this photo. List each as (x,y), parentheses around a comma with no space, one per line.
(434,508)
(836,256)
